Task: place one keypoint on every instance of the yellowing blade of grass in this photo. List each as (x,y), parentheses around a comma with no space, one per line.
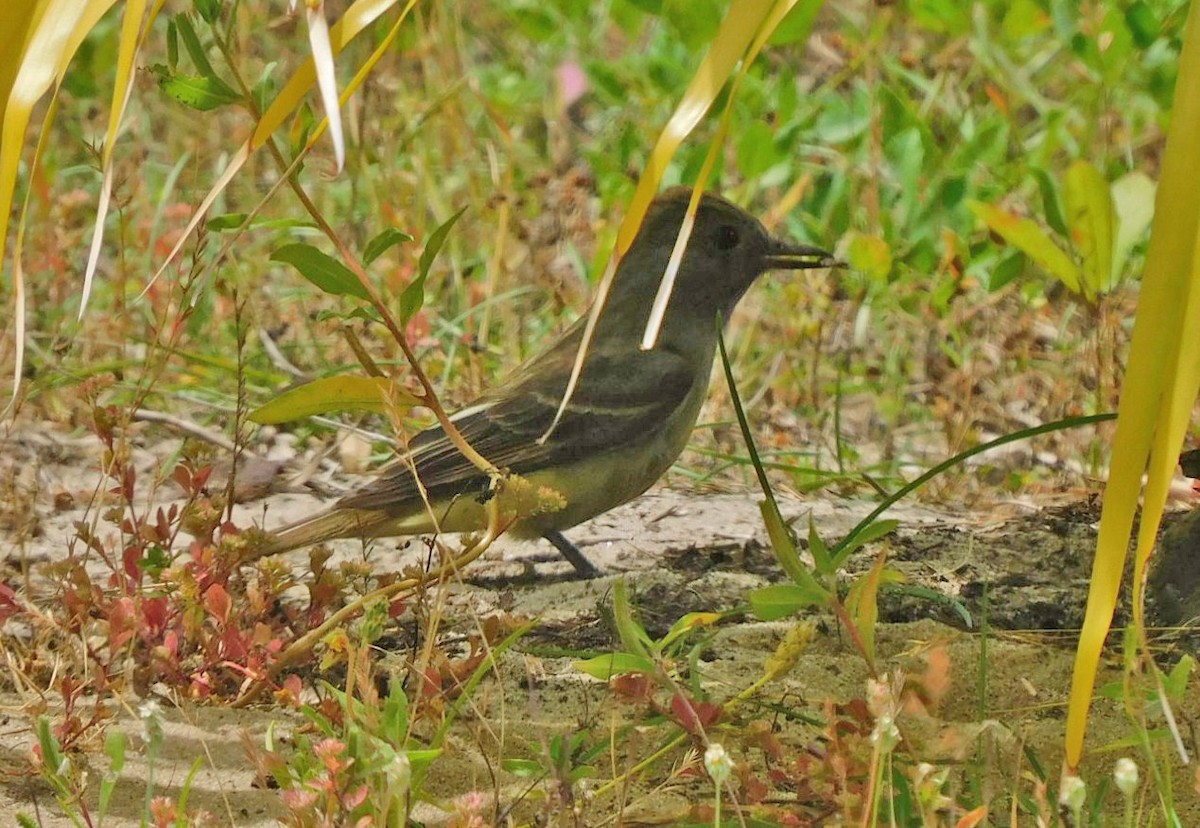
(732,44)
(45,35)
(665,288)
(341,393)
(127,48)
(322,57)
(1161,384)
(357,17)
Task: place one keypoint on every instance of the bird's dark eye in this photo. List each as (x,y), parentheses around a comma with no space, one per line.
(727,237)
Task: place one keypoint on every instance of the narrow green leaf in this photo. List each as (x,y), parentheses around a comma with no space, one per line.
(818,549)
(233,221)
(1051,201)
(379,245)
(863,601)
(781,600)
(172,44)
(191,42)
(395,716)
(781,540)
(322,270)
(867,534)
(1091,219)
(413,297)
(1025,235)
(342,393)
(422,759)
(604,667)
(522,768)
(633,636)
(785,548)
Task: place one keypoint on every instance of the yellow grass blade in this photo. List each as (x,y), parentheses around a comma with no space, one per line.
(322,57)
(360,15)
(45,35)
(357,17)
(667,286)
(1162,381)
(132,37)
(731,45)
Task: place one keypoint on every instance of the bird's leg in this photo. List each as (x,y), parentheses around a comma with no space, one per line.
(583,567)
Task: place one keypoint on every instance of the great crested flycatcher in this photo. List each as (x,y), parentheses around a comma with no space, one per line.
(629,417)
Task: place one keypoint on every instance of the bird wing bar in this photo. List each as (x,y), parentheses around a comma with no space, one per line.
(636,393)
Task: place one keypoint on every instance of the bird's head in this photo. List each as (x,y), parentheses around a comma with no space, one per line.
(728,249)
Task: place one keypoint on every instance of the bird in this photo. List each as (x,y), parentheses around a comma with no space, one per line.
(630,415)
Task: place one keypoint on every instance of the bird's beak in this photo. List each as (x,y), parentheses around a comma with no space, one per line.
(786,256)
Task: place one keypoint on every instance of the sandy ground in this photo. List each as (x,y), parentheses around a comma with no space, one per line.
(679,553)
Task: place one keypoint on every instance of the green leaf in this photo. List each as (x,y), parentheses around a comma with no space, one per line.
(870,255)
(413,297)
(209,10)
(1091,219)
(781,600)
(1133,200)
(633,636)
(1051,200)
(1175,682)
(522,768)
(395,715)
(1024,18)
(689,622)
(796,25)
(342,393)
(52,757)
(818,549)
(328,274)
(420,759)
(200,93)
(233,221)
(604,667)
(867,534)
(379,245)
(862,602)
(172,44)
(1143,23)
(756,152)
(191,42)
(1025,235)
(785,548)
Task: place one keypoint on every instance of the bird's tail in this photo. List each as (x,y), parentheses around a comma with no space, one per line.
(334,523)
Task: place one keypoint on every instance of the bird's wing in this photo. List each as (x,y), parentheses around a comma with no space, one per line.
(505,427)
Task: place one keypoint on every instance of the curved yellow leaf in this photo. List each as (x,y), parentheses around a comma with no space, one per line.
(1025,235)
(1162,381)
(343,393)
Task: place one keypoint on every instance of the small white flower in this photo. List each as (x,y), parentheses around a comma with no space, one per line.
(1126,775)
(1073,794)
(885,734)
(398,772)
(150,712)
(717,763)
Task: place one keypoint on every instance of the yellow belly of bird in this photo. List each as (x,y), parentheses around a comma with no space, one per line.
(559,498)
